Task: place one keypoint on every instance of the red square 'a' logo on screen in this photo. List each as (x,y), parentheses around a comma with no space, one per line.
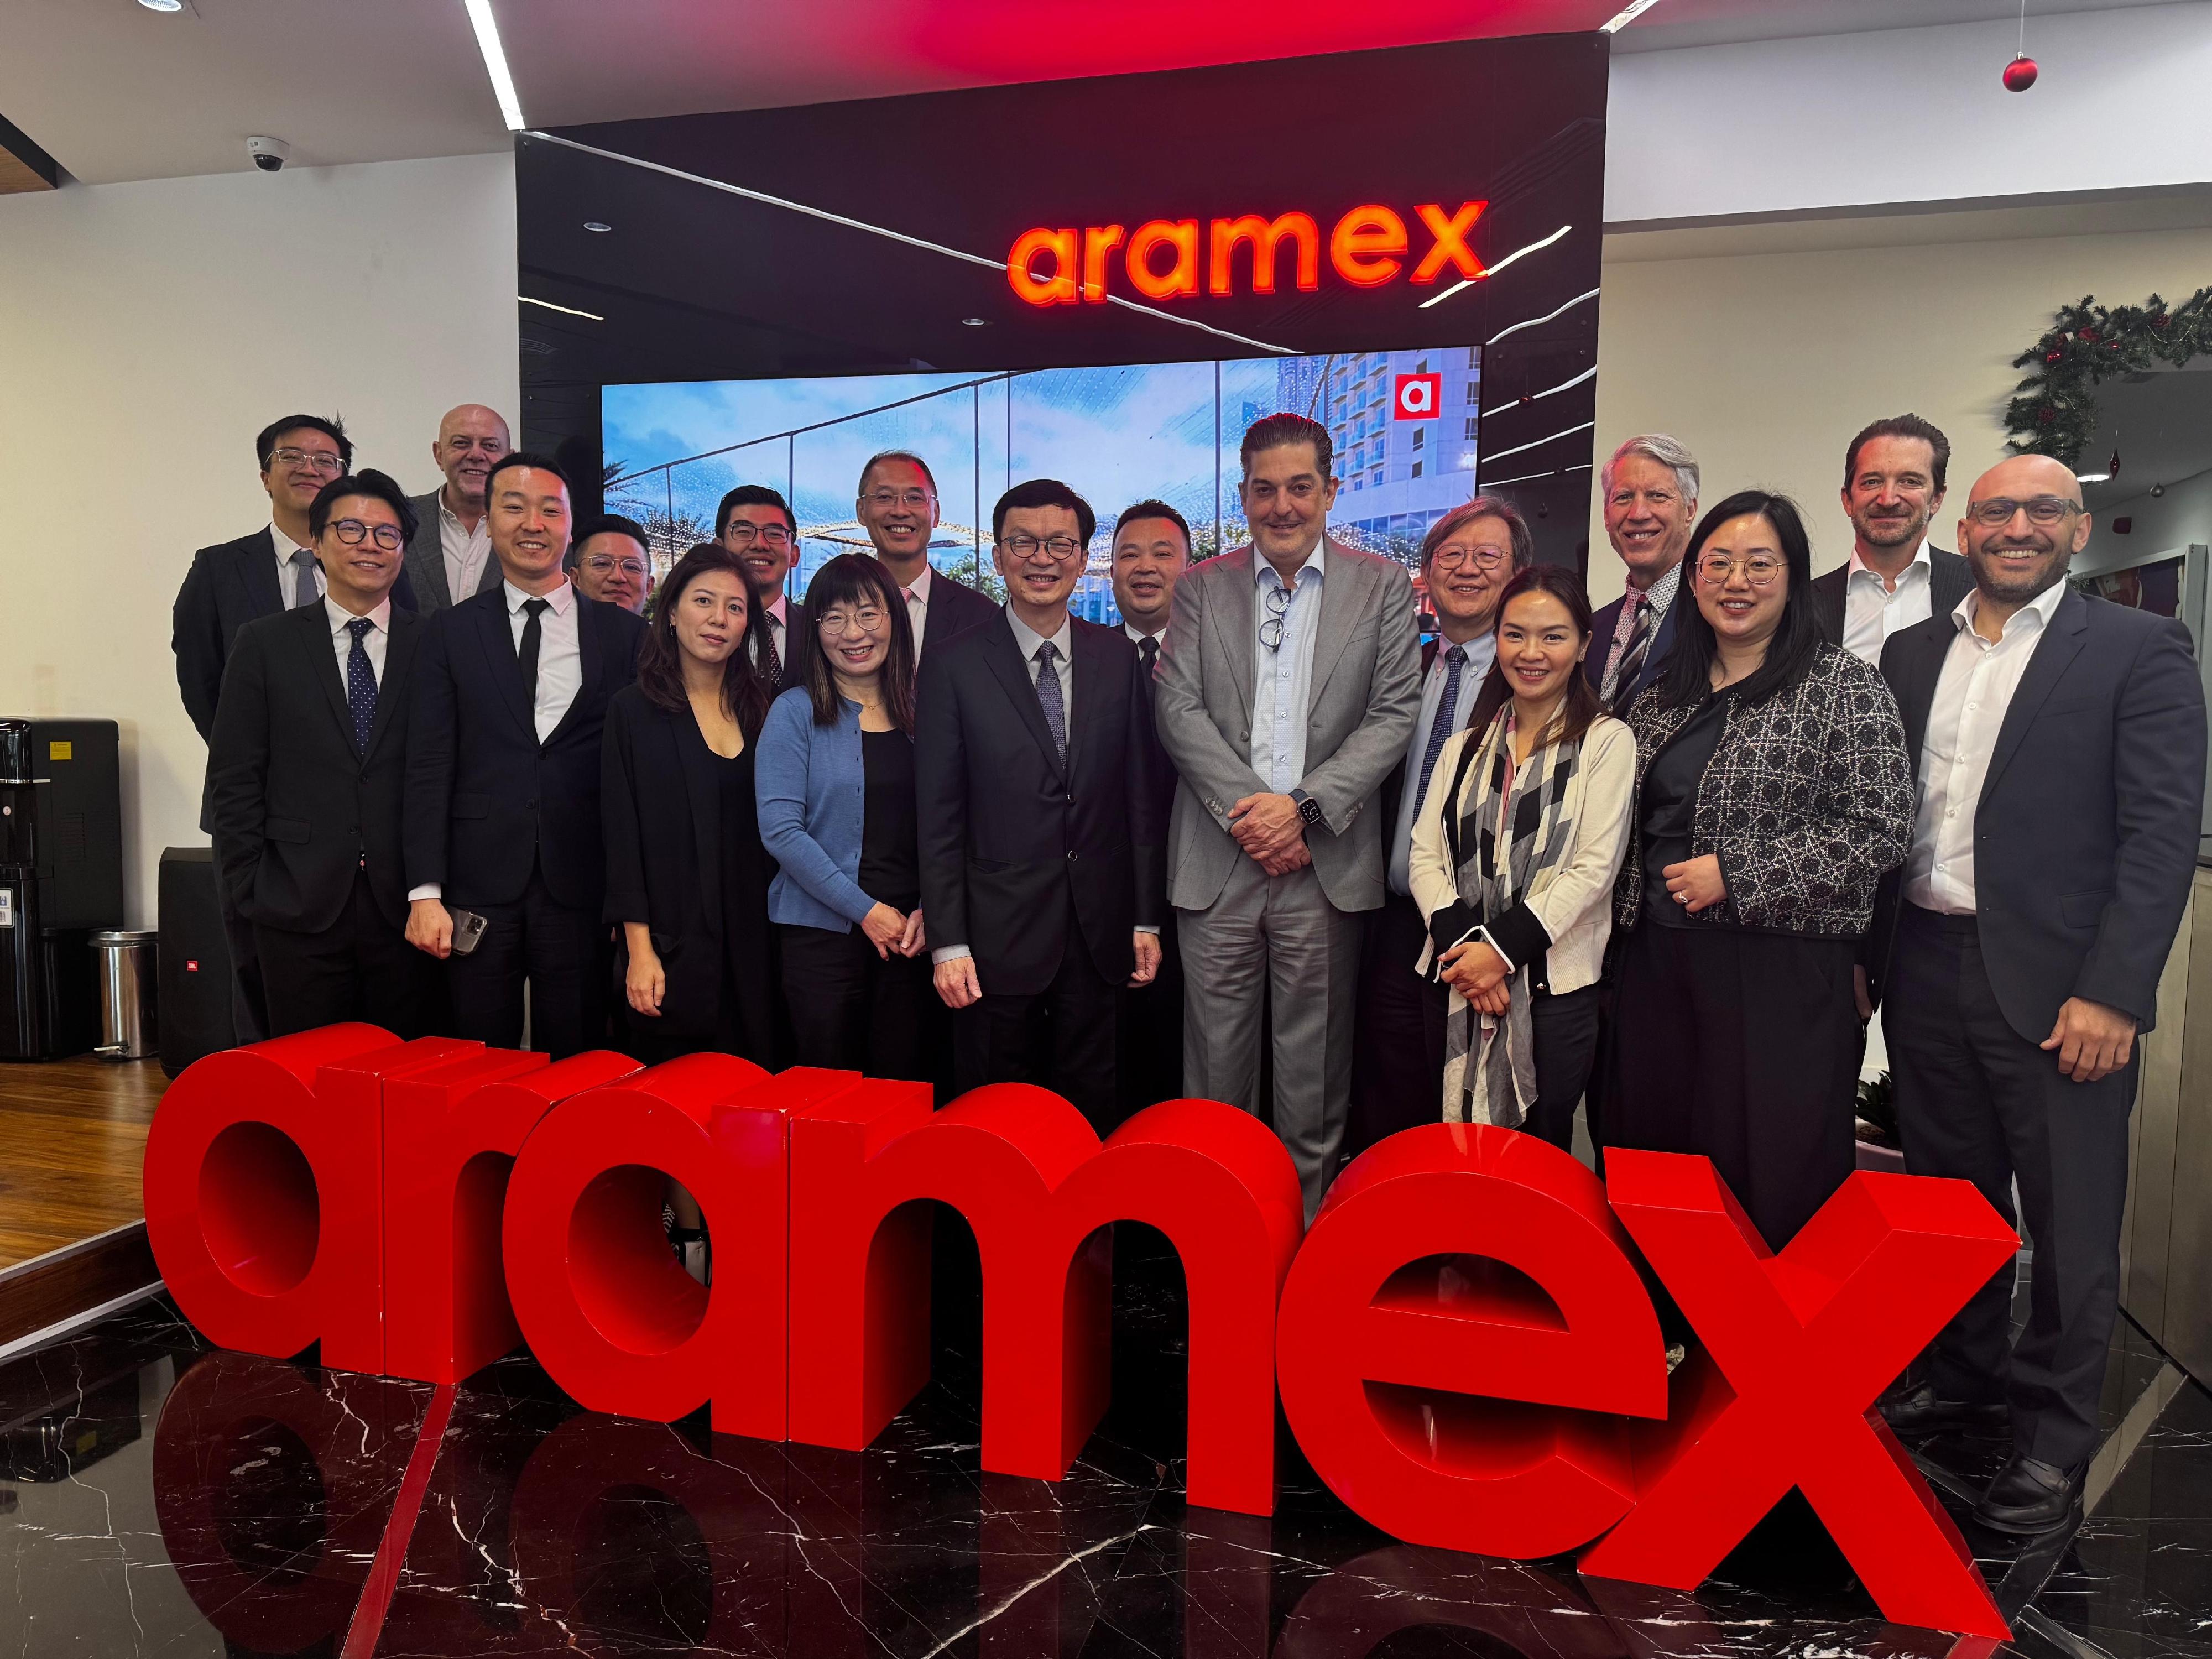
(1417,397)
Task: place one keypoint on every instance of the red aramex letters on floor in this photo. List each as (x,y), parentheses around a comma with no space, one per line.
(1464,1347)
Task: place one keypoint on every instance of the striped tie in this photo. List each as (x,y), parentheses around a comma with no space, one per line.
(1440,731)
(1622,683)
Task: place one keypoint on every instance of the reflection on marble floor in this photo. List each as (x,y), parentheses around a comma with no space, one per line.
(163,1497)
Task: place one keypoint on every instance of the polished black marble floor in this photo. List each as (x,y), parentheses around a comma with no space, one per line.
(161,1498)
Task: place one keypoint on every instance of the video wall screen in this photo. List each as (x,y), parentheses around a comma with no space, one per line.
(1084,278)
(1404,424)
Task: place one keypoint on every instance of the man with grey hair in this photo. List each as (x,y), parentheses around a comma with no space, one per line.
(1398,1044)
(1650,489)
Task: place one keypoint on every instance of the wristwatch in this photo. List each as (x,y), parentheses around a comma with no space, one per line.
(1309,808)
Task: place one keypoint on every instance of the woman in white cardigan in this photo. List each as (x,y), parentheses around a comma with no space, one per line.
(1513,864)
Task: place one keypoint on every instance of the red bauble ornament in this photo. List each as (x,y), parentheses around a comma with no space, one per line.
(2020,74)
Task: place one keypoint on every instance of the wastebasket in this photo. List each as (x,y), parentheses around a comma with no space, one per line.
(128,971)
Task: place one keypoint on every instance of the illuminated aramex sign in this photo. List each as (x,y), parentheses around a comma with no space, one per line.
(1167,259)
(1461,1342)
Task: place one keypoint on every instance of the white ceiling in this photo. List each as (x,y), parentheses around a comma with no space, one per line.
(115,91)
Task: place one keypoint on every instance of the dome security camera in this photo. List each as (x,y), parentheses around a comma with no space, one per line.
(269,154)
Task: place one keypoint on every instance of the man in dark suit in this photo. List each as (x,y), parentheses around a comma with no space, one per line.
(1398,1044)
(1651,487)
(609,561)
(449,556)
(1893,474)
(1151,550)
(755,524)
(228,587)
(502,808)
(305,771)
(2060,743)
(897,506)
(1041,884)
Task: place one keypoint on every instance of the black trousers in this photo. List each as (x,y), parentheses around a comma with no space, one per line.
(560,952)
(1398,1031)
(361,967)
(1565,1027)
(1149,1063)
(1977,1100)
(1743,1047)
(853,1011)
(1062,1037)
(249,1003)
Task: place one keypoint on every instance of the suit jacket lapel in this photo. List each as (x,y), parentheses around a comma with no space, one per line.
(258,570)
(1005,657)
(400,641)
(1918,671)
(2054,654)
(1341,607)
(1233,620)
(312,635)
(592,659)
(496,634)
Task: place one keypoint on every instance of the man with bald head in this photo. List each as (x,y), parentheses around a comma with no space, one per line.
(2060,744)
(449,557)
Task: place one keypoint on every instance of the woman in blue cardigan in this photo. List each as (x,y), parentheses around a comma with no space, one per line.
(834,776)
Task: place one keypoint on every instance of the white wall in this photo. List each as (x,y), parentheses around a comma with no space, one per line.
(1767,364)
(2181,516)
(1903,115)
(148,332)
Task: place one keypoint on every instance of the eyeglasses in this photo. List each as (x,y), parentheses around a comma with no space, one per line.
(1278,606)
(884,500)
(602,563)
(353,532)
(1059,549)
(315,460)
(1759,569)
(1482,558)
(1996,513)
(744,535)
(865,620)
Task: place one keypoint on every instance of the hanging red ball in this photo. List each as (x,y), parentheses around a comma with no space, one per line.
(2020,74)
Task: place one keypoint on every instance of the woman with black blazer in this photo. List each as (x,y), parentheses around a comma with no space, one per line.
(1772,794)
(837,813)
(687,878)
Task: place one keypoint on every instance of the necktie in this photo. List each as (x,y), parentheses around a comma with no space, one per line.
(527,653)
(361,683)
(1440,730)
(771,663)
(303,577)
(1048,690)
(1148,655)
(1632,654)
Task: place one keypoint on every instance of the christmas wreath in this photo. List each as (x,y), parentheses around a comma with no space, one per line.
(2054,409)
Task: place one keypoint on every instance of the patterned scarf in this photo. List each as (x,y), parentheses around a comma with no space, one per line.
(1514,828)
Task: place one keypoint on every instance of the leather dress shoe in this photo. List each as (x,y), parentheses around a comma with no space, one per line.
(2028,1497)
(1920,1409)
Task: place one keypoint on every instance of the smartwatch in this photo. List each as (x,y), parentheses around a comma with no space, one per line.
(1309,808)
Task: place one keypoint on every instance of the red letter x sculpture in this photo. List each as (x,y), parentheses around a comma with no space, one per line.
(1799,1345)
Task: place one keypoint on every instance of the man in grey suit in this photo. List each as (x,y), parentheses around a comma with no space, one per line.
(1288,689)
(449,557)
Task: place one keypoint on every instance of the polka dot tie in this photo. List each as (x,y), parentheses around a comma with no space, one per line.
(361,683)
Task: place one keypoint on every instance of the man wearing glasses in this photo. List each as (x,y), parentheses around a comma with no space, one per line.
(1040,833)
(228,585)
(1467,558)
(755,523)
(2060,746)
(449,556)
(305,775)
(897,506)
(610,562)
(1289,687)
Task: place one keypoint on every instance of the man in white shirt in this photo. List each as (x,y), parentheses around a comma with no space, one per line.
(755,524)
(304,773)
(1398,1055)
(896,505)
(449,556)
(1893,474)
(2060,746)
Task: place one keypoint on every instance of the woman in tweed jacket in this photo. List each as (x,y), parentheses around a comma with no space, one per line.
(1773,792)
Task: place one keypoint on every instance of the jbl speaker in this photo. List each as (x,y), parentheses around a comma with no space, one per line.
(196,978)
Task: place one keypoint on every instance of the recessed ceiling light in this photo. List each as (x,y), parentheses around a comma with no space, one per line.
(2092,477)
(974,322)
(594,225)
(163,5)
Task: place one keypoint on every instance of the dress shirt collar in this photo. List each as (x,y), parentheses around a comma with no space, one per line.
(917,590)
(1136,636)
(562,599)
(284,545)
(446,515)
(1662,590)
(775,608)
(1028,639)
(1921,565)
(1314,565)
(2042,607)
(340,616)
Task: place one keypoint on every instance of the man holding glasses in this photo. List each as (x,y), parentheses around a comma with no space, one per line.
(1041,878)
(2060,746)
(1467,558)
(610,562)
(755,523)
